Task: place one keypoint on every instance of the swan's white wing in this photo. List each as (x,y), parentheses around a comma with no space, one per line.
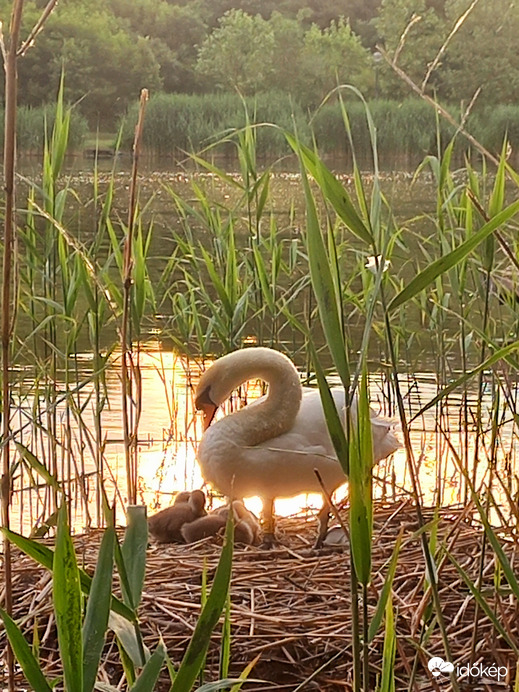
(284,465)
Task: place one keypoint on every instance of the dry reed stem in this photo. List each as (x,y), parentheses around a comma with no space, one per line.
(11,90)
(129,370)
(292,605)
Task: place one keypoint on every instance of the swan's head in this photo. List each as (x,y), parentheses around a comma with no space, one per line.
(217,382)
(230,371)
(205,401)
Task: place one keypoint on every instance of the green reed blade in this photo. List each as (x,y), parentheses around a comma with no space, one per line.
(66,594)
(500,354)
(361,484)
(197,648)
(387,680)
(332,190)
(225,646)
(236,683)
(24,655)
(324,287)
(385,594)
(98,610)
(35,464)
(150,673)
(45,557)
(133,552)
(334,423)
(244,675)
(443,264)
(481,601)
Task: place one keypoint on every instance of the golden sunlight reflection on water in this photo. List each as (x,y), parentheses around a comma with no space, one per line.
(170,429)
(168,464)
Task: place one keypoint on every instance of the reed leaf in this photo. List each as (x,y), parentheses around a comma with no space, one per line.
(197,648)
(332,190)
(45,557)
(443,264)
(35,464)
(387,681)
(133,551)
(480,600)
(24,655)
(324,287)
(66,592)
(244,675)
(150,673)
(98,610)
(225,647)
(360,484)
(334,423)
(385,594)
(501,354)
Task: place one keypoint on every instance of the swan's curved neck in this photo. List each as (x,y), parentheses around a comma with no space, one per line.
(275,413)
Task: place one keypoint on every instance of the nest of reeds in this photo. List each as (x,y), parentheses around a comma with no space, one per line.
(291,605)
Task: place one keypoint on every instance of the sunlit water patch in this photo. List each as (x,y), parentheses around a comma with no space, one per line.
(170,429)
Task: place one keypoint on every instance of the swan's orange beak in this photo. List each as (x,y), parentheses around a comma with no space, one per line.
(204,403)
(208,412)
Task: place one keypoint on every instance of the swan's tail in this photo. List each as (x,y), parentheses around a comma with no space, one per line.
(385,442)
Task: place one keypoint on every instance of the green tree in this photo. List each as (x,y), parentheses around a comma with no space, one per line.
(105,67)
(334,56)
(239,53)
(484,53)
(174,32)
(427,31)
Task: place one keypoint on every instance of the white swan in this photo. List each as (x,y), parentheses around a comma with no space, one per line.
(271,447)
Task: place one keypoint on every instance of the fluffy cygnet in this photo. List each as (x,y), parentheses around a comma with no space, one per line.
(246,527)
(165,526)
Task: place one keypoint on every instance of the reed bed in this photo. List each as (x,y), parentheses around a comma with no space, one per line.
(291,606)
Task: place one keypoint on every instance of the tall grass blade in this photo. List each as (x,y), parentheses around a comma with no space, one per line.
(386,590)
(24,655)
(360,484)
(334,423)
(443,264)
(133,551)
(324,287)
(387,682)
(197,648)
(35,464)
(66,592)
(481,601)
(225,647)
(150,673)
(98,610)
(501,354)
(332,190)
(45,557)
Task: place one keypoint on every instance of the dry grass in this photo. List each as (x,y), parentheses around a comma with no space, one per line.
(291,605)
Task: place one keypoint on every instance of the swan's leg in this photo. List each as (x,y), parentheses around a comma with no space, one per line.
(268,523)
(323,517)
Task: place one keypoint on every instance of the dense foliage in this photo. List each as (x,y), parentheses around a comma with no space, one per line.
(110,50)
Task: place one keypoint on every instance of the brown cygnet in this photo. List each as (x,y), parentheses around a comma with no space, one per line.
(165,526)
(246,526)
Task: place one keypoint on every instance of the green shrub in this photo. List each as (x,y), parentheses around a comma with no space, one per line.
(31,127)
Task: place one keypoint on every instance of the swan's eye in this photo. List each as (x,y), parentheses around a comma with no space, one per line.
(203,399)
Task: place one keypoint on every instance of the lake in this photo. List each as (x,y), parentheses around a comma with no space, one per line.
(68,412)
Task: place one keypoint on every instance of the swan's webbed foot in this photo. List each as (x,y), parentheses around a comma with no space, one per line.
(269,541)
(323,518)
